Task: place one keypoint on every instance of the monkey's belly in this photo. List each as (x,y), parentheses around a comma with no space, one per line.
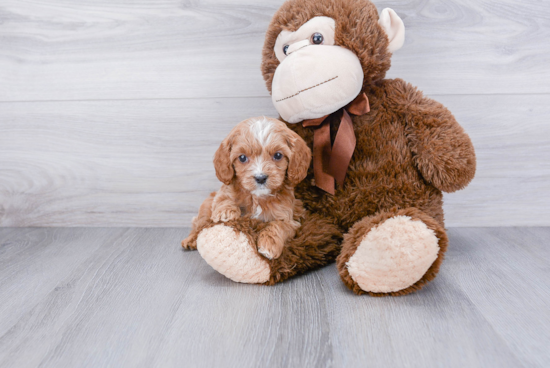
(367,194)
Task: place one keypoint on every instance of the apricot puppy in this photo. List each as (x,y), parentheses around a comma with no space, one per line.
(259,163)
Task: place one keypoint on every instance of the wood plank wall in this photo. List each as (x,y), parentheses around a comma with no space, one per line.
(110,111)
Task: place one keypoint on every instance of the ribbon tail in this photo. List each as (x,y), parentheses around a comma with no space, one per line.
(342,150)
(321,155)
(331,163)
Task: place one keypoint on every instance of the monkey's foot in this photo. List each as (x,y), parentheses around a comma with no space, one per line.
(392,253)
(231,253)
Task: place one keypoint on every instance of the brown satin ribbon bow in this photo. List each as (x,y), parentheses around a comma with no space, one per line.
(331,163)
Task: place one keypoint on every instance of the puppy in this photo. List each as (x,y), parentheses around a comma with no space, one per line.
(259,163)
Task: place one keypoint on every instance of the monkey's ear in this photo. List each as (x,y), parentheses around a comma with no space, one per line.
(394,28)
(222,162)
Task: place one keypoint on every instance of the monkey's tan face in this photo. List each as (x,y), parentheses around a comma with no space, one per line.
(315,77)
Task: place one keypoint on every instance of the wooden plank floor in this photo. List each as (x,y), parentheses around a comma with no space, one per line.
(127,297)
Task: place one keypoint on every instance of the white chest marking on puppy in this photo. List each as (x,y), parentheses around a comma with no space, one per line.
(258,212)
(261,129)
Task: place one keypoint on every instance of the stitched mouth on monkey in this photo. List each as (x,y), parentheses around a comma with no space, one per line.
(307,89)
(317,80)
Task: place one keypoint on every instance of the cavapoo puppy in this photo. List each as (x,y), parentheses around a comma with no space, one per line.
(259,163)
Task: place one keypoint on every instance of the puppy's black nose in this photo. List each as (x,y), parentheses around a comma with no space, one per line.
(261,179)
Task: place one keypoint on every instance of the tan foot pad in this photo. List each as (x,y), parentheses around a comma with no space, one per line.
(231,254)
(394,255)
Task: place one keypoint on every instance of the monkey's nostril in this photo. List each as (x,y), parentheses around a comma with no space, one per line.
(260,179)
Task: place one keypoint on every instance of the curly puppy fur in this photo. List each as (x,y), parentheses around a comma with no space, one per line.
(409,147)
(259,163)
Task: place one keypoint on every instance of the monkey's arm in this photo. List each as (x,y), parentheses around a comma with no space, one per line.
(442,150)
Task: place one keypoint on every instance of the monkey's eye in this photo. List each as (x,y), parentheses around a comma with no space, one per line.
(278,156)
(243,158)
(317,38)
(285,49)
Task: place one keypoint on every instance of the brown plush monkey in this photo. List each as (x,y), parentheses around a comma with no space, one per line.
(383,154)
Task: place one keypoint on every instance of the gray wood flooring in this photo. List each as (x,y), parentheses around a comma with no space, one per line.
(126,297)
(110,110)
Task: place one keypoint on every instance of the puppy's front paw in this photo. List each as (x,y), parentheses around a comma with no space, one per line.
(226,214)
(269,247)
(190,243)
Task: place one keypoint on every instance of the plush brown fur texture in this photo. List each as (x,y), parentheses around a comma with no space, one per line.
(258,141)
(409,149)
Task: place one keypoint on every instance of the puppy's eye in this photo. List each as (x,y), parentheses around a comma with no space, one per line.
(317,38)
(278,156)
(243,158)
(285,49)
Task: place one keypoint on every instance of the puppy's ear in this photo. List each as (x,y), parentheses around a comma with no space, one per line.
(222,162)
(299,160)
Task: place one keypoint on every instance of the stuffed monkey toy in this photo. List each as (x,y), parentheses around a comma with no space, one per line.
(382,156)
